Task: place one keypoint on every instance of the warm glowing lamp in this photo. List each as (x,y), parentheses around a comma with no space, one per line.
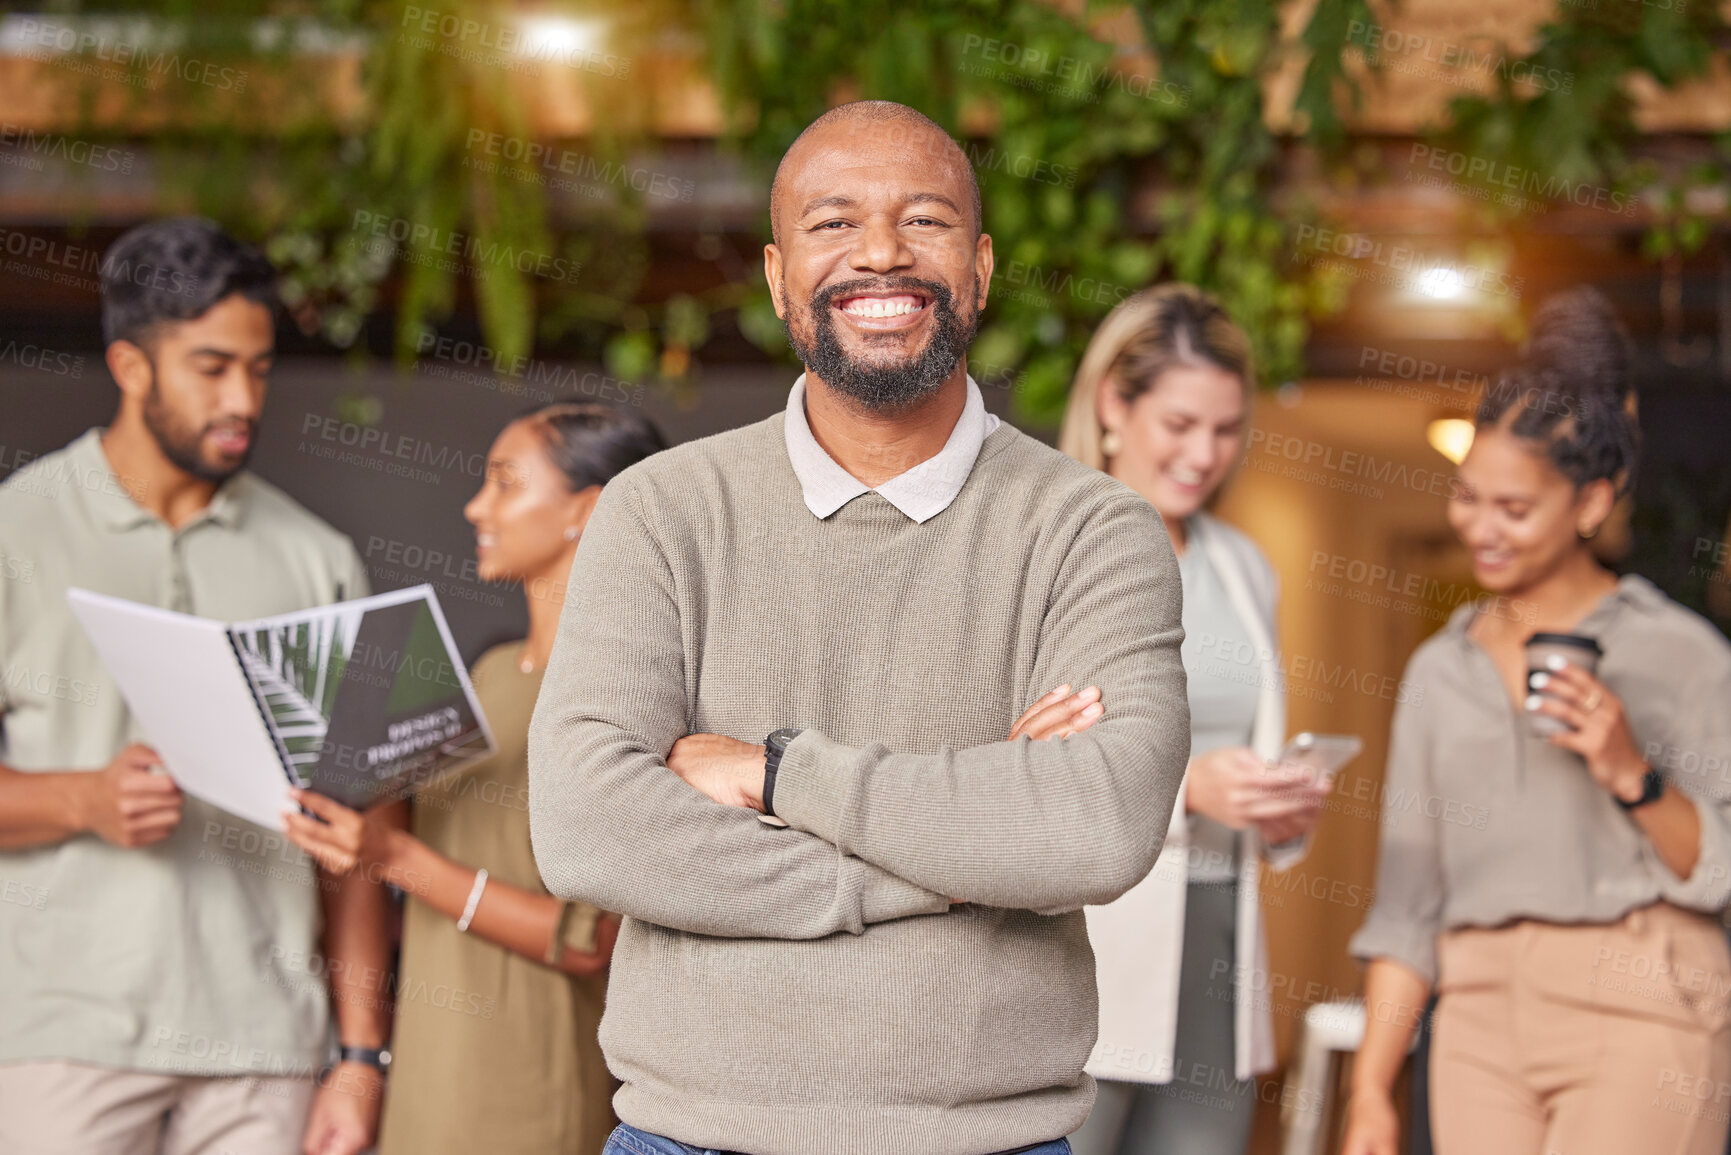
(1451,437)
(558,37)
(1442,283)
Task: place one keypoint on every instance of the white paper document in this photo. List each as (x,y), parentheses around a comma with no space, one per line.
(361,700)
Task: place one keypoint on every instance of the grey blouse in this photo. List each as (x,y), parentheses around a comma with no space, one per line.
(1484,823)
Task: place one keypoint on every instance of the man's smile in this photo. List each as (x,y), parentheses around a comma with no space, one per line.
(882,311)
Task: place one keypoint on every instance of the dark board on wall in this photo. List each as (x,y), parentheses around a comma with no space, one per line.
(396,486)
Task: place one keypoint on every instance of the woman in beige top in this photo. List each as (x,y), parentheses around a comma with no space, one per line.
(1559,892)
(500,985)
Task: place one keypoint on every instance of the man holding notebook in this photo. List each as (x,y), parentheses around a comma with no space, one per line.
(149,996)
(832,619)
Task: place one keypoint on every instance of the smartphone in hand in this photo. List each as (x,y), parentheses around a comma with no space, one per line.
(1321,754)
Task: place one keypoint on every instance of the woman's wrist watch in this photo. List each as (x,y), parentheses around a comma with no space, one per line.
(1652,788)
(378,1058)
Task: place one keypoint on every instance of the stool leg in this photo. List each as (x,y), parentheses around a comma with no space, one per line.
(1306,1107)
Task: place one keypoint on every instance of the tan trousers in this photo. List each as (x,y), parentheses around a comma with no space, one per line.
(1584,1040)
(58,1108)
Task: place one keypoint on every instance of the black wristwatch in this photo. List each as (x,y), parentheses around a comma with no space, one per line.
(1652,787)
(774,747)
(377,1058)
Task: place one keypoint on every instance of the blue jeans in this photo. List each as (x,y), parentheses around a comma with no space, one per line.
(628,1140)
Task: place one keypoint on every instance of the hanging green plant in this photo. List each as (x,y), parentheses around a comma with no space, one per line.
(1080,128)
(1115,149)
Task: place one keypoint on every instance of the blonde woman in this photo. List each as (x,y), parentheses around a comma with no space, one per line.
(1161,402)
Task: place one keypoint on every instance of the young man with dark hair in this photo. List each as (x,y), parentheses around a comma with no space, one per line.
(157,987)
(879,579)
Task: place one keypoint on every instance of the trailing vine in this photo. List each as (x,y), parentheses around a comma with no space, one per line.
(1113,150)
(1080,129)
(1582,133)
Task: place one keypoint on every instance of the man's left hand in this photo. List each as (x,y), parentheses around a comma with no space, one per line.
(726,769)
(345,1115)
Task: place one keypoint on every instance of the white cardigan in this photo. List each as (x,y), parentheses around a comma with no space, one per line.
(1138,940)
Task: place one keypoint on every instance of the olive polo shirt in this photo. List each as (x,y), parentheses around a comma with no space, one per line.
(187,956)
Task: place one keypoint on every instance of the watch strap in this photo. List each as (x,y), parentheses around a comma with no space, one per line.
(774,747)
(1652,789)
(375,1057)
(771,763)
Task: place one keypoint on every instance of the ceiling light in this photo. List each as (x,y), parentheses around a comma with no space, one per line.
(558,37)
(1442,283)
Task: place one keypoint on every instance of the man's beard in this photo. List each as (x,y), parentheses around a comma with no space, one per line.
(884,388)
(180,443)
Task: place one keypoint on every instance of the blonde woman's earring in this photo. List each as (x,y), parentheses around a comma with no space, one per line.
(1110,443)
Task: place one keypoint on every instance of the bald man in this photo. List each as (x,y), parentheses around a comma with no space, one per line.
(862,933)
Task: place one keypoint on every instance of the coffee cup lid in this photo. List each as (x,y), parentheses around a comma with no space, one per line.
(1579,641)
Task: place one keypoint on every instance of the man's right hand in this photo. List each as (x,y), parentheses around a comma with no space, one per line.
(127,803)
(1060,714)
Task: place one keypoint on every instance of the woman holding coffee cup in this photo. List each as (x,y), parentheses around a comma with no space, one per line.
(1556,846)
